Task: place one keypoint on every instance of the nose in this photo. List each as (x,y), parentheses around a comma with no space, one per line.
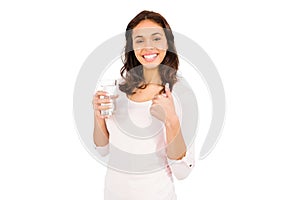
(148,44)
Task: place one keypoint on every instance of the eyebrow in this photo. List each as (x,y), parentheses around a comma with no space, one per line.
(156,34)
(138,36)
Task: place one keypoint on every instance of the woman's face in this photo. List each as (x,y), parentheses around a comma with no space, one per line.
(149,43)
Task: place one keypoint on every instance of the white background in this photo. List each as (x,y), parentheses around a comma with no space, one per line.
(254,44)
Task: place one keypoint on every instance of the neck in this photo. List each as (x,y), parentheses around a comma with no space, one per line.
(152,75)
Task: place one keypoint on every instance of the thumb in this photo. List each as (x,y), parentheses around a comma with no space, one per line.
(167,89)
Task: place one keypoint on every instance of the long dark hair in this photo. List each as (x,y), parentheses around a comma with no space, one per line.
(132,70)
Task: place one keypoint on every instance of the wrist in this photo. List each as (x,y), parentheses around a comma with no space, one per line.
(171,120)
(98,119)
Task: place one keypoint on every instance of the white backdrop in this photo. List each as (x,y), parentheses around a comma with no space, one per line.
(255,46)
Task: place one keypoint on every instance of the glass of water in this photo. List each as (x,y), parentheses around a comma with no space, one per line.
(109,86)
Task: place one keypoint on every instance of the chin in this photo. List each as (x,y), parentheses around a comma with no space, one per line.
(150,65)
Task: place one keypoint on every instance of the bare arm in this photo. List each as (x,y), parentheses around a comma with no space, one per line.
(181,159)
(101,134)
(163,108)
(176,147)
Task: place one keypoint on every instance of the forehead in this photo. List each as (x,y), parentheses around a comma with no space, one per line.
(147,28)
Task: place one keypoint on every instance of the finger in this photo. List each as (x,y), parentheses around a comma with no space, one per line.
(97,102)
(98,115)
(167,89)
(155,101)
(156,97)
(102,107)
(98,96)
(108,100)
(101,93)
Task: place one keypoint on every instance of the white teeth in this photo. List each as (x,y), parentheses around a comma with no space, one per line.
(150,56)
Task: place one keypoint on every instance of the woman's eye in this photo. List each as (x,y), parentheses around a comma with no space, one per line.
(138,41)
(157,39)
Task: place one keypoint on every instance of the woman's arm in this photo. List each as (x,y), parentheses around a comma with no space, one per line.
(176,148)
(180,163)
(181,159)
(181,168)
(101,134)
(163,108)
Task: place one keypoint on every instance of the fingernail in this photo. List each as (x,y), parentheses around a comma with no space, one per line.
(167,85)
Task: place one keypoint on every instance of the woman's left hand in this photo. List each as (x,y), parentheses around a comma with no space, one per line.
(163,106)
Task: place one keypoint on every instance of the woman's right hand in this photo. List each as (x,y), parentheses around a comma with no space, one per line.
(101,97)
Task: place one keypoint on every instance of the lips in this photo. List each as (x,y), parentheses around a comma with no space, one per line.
(150,57)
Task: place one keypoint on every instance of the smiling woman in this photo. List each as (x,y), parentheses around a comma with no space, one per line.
(144,134)
(149,45)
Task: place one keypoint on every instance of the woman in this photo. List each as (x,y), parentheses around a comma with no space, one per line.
(149,75)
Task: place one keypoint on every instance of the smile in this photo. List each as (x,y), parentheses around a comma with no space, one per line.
(150,57)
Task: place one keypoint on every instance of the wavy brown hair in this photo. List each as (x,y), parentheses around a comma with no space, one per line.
(132,70)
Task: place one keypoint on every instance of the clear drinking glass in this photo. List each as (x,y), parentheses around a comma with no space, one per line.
(109,86)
